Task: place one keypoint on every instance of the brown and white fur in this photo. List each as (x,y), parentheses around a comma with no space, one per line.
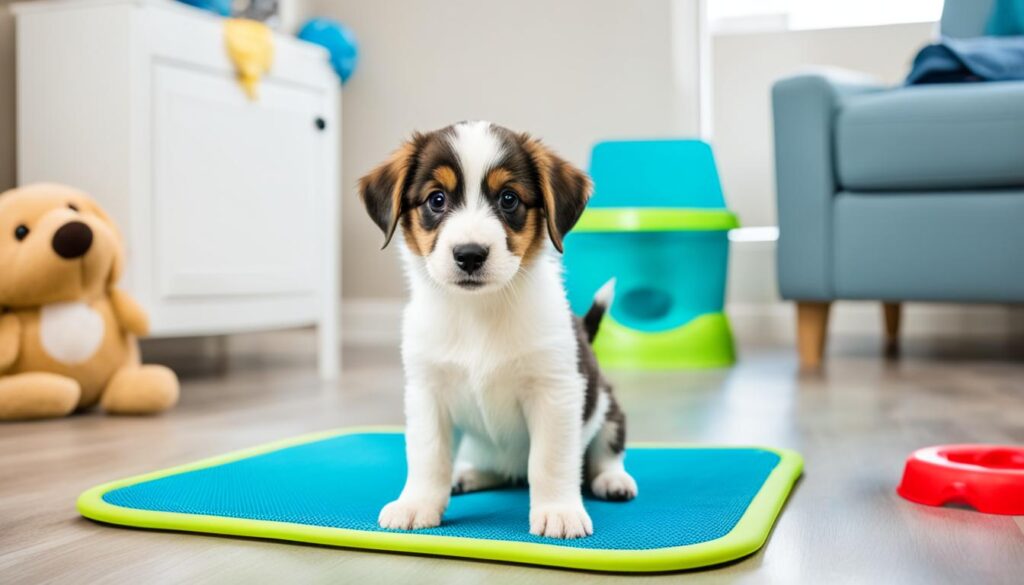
(502,384)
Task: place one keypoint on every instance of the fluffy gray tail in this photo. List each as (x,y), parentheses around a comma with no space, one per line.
(602,300)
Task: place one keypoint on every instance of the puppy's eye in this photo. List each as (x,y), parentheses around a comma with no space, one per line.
(21,232)
(72,207)
(436,201)
(508,201)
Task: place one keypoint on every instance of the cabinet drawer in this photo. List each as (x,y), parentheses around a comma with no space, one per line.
(236,185)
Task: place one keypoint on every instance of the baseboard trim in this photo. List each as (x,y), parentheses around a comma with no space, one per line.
(777,321)
(371,322)
(377,322)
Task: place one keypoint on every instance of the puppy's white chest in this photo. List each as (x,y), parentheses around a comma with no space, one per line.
(70,333)
(488,406)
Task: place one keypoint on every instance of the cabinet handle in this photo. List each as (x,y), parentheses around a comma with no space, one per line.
(320,123)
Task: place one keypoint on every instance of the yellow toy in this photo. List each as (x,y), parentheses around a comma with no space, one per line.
(250,46)
(67,333)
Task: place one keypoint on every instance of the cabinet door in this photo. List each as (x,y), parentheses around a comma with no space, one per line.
(236,185)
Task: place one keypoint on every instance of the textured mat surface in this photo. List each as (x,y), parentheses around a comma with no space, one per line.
(697,506)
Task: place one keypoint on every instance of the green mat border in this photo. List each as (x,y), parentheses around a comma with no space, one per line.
(749,534)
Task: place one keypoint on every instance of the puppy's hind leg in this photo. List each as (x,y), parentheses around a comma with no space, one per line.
(606,471)
(471,474)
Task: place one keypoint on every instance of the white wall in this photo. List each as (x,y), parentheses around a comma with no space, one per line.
(572,72)
(744,66)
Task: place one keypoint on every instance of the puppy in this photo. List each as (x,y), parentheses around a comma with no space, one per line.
(500,374)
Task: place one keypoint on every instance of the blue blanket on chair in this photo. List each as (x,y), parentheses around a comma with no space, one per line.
(978,59)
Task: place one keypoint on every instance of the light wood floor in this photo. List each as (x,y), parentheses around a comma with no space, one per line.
(844,523)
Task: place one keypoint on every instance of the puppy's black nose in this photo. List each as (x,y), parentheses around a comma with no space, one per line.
(72,240)
(470,257)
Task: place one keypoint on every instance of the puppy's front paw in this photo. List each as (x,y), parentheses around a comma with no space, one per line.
(615,485)
(407,515)
(560,521)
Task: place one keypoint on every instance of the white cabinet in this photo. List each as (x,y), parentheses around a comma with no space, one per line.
(232,204)
(228,205)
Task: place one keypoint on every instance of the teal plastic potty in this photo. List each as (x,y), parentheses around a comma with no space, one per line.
(657,223)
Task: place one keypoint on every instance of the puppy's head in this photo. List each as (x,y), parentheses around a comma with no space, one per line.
(56,244)
(475,202)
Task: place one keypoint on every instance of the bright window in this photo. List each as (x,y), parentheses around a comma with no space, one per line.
(729,16)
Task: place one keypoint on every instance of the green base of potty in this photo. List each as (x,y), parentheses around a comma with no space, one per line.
(704,342)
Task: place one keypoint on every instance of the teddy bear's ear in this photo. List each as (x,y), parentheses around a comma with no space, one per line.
(117,267)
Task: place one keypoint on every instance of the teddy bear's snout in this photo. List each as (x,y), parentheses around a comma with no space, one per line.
(72,240)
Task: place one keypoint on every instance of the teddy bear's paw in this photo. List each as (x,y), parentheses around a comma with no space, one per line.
(141,390)
(36,395)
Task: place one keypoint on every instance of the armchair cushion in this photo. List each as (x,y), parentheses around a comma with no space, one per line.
(965,136)
(959,246)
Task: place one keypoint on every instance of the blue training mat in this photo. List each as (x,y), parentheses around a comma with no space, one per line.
(697,505)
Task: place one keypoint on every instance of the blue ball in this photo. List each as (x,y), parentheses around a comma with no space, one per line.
(338,39)
(221,7)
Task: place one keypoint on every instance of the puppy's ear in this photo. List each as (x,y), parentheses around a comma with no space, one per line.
(564,188)
(381,190)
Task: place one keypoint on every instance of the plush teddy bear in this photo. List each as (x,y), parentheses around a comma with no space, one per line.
(67,333)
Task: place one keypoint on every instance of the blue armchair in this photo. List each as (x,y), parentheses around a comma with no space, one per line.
(898,193)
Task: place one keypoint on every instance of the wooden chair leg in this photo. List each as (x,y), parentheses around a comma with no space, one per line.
(811,331)
(892,312)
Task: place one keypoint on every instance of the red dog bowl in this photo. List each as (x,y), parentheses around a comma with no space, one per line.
(989,478)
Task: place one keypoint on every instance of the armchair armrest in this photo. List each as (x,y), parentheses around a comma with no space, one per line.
(804,109)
